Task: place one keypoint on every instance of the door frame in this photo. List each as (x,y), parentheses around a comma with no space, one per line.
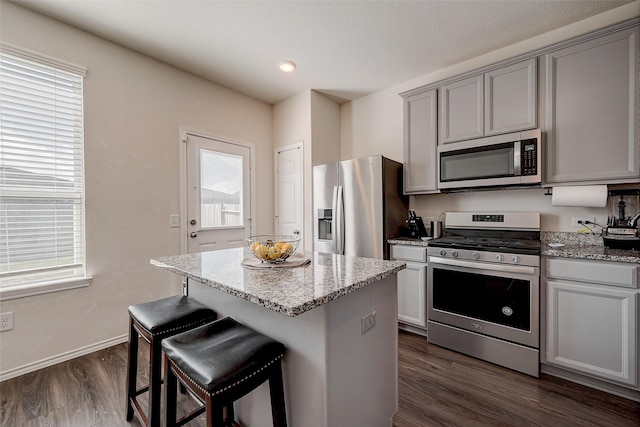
(184,134)
(276,196)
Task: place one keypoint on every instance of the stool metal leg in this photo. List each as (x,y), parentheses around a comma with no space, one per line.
(132,365)
(276,390)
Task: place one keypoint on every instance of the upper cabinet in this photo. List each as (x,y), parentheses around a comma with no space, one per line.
(461,113)
(510,98)
(584,100)
(591,110)
(420,140)
(498,101)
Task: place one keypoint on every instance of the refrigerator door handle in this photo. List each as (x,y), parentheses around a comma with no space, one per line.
(340,221)
(336,218)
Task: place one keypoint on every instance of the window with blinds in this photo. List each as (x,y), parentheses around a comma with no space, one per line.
(41,169)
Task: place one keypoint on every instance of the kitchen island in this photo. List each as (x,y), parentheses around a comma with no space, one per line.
(337,316)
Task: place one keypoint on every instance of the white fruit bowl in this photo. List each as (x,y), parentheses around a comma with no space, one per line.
(272,248)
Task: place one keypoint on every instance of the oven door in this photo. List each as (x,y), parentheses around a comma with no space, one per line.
(501,301)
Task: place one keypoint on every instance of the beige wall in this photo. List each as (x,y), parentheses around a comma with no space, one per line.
(134,108)
(373,125)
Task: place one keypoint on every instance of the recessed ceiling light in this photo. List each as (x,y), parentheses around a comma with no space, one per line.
(287,66)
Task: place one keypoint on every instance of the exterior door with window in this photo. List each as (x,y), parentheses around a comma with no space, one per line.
(218,180)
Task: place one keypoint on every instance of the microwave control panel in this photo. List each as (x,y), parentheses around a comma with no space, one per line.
(529,154)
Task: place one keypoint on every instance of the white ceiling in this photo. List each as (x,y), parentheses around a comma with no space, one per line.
(345,49)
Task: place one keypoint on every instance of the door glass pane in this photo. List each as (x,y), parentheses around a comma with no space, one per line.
(220,189)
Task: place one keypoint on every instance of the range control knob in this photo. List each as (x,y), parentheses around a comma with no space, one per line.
(475,255)
(500,257)
(515,259)
(442,252)
(454,254)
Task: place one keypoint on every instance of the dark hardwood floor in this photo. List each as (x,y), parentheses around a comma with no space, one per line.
(437,388)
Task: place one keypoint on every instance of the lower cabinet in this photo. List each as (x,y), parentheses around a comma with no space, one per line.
(592,319)
(412,285)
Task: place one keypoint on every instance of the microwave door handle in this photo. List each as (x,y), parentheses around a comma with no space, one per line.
(517,158)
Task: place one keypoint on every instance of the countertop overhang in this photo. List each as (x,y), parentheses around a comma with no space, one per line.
(290,291)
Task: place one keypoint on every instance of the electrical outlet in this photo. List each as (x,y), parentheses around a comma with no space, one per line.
(575,221)
(6,321)
(368,321)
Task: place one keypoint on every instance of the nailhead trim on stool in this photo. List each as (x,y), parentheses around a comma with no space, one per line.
(155,321)
(219,363)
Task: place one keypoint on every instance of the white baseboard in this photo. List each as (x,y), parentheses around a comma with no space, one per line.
(54,360)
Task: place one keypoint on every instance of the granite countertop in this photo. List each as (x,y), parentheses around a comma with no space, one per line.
(290,291)
(575,245)
(584,246)
(409,241)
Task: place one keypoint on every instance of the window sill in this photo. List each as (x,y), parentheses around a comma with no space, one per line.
(21,291)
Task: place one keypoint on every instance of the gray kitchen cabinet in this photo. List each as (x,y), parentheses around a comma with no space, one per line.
(412,285)
(592,319)
(498,101)
(510,95)
(420,140)
(461,110)
(591,110)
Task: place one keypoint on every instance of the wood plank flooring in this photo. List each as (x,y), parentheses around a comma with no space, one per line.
(437,388)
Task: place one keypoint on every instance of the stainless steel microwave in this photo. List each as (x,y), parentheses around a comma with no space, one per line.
(495,161)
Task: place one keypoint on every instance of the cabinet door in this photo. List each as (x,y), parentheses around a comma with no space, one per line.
(592,110)
(412,294)
(593,330)
(461,114)
(420,141)
(510,98)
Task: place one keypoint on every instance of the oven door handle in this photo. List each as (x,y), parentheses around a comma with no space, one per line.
(485,266)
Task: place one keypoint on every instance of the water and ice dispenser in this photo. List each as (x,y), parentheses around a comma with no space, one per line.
(325,224)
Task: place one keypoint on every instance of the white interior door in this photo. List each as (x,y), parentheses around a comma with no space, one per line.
(218,193)
(289,197)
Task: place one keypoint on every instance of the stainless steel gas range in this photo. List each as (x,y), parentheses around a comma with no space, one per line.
(484,288)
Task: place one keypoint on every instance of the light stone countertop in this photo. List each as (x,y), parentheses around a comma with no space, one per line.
(290,291)
(584,246)
(409,241)
(576,245)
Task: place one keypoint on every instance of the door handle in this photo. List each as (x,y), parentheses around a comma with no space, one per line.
(193,235)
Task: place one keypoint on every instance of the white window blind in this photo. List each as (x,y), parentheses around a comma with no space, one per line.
(41,169)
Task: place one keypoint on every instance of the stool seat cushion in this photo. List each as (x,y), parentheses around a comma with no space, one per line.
(221,354)
(170,315)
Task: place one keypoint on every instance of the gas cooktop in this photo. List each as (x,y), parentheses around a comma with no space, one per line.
(507,232)
(519,246)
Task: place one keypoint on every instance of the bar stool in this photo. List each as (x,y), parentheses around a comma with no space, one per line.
(155,321)
(219,363)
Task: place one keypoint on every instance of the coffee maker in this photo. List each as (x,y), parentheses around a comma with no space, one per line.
(622,224)
(416,226)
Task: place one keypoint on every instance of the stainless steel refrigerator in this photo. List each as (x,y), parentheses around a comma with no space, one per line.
(358,205)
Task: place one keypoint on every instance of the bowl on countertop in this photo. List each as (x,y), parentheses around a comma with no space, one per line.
(272,248)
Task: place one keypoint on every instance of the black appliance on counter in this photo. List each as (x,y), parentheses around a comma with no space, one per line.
(416,226)
(622,224)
